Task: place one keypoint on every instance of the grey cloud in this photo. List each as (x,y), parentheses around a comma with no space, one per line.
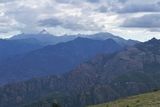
(69,1)
(122,1)
(127,6)
(5,1)
(102,9)
(28,15)
(53,22)
(146,21)
(155,30)
(82,26)
(73,1)
(25,16)
(63,1)
(5,29)
(93,1)
(71,23)
(133,8)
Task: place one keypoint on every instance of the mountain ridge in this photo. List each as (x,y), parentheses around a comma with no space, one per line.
(10,48)
(49,59)
(50,39)
(102,79)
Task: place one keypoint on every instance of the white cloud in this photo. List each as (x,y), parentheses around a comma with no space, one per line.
(75,16)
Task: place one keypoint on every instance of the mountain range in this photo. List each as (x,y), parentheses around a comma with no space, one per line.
(54,59)
(104,78)
(44,37)
(25,56)
(48,39)
(9,48)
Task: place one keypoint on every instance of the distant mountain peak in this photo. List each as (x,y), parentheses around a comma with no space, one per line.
(81,38)
(153,41)
(44,31)
(152,45)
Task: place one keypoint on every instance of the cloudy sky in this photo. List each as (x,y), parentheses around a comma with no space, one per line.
(131,19)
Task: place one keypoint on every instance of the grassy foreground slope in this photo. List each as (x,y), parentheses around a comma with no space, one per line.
(142,100)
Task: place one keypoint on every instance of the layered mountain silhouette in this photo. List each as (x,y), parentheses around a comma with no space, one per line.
(54,59)
(48,39)
(105,78)
(9,48)
(44,37)
(106,35)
